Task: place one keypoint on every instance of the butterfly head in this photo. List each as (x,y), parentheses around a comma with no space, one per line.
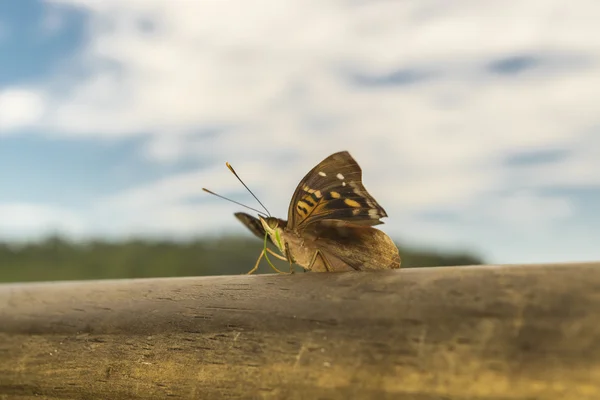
(274,228)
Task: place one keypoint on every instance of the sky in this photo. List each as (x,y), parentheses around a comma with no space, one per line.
(476,123)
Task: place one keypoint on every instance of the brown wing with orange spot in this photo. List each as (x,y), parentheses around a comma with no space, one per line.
(333,189)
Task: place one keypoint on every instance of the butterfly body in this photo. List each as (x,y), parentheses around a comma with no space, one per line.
(330,222)
(335,246)
(297,249)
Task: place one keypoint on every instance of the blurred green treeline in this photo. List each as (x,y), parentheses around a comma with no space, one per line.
(56,258)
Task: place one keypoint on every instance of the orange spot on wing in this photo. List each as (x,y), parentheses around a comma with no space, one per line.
(352,203)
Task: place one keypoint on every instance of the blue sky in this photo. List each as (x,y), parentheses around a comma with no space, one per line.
(476,124)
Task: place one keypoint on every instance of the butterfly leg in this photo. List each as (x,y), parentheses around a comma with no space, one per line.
(323,259)
(278,256)
(262,253)
(288,256)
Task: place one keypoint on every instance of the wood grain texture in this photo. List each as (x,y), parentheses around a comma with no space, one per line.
(487,332)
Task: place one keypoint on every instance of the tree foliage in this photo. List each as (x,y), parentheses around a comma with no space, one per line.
(58,259)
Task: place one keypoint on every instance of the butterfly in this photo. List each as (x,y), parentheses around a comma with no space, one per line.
(330,223)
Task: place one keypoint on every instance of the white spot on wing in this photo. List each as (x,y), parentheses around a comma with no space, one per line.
(340,177)
(343,183)
(322,173)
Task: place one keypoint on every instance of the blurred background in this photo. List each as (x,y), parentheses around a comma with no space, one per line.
(476,124)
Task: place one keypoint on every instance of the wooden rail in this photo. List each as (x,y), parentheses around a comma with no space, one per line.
(485,332)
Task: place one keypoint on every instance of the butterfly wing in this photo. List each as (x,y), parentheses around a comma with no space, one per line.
(333,189)
(251,223)
(348,246)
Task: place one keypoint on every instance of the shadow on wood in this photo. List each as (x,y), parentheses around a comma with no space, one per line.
(489,332)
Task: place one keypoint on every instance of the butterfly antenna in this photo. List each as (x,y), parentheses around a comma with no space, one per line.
(236,175)
(233,201)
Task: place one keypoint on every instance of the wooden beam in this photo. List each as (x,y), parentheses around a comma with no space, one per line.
(486,332)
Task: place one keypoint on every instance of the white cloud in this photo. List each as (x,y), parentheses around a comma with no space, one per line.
(33,221)
(254,64)
(577,169)
(277,78)
(524,210)
(19,108)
